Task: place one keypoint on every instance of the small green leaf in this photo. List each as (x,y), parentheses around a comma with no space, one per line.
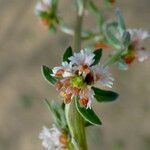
(47,74)
(68,53)
(57,113)
(120,20)
(88,114)
(98,54)
(103,95)
(126,39)
(109,35)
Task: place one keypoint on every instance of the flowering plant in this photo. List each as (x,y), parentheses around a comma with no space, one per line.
(82,78)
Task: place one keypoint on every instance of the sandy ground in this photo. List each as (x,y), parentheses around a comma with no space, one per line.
(25,46)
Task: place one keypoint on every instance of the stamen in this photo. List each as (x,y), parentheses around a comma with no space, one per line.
(58,85)
(59,73)
(67,98)
(63,139)
(83,102)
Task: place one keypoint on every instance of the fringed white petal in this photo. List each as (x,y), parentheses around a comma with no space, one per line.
(84,57)
(105,78)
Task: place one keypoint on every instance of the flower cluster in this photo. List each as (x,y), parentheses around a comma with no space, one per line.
(135,50)
(78,75)
(53,138)
(46,10)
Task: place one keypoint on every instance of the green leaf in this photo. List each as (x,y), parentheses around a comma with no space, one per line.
(126,39)
(47,74)
(57,113)
(109,35)
(103,95)
(120,20)
(98,54)
(68,53)
(88,114)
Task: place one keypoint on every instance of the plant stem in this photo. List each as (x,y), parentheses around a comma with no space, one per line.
(113,58)
(74,119)
(76,126)
(78,27)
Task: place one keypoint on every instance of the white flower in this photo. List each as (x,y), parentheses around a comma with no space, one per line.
(51,138)
(138,35)
(84,57)
(43,5)
(102,76)
(66,70)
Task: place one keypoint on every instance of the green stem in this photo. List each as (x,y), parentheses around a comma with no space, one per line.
(76,126)
(113,58)
(78,26)
(77,36)
(74,119)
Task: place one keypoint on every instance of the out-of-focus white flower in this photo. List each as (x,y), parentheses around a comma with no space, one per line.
(84,57)
(51,138)
(138,35)
(135,50)
(43,5)
(102,76)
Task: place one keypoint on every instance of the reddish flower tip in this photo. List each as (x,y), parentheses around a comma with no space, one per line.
(83,102)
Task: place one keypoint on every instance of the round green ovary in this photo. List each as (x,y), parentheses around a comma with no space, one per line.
(77,81)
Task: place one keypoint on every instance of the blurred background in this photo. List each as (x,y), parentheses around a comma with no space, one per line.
(25,45)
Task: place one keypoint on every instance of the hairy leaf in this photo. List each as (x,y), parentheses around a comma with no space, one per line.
(47,75)
(98,54)
(88,114)
(103,95)
(68,53)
